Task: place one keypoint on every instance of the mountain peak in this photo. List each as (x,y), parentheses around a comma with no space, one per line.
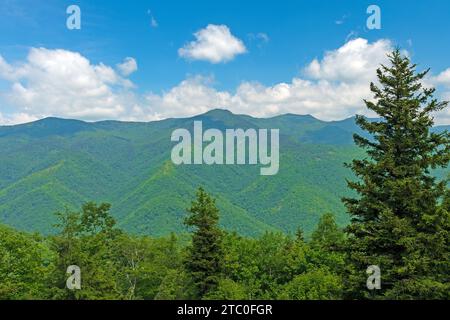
(218,112)
(56,120)
(298,116)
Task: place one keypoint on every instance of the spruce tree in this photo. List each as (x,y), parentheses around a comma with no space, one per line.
(399,220)
(203,263)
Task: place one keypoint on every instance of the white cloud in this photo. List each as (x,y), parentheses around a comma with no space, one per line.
(128,66)
(443,78)
(6,71)
(63,83)
(330,89)
(322,99)
(215,44)
(355,61)
(442,82)
(192,96)
(16,118)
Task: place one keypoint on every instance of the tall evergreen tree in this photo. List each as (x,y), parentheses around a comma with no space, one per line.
(203,262)
(398,220)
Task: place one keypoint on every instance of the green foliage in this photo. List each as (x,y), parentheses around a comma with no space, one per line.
(149,268)
(314,285)
(397,220)
(264,267)
(87,241)
(174,286)
(117,265)
(327,234)
(114,265)
(25,265)
(227,289)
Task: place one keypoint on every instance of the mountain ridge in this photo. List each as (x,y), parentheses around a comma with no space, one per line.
(53,163)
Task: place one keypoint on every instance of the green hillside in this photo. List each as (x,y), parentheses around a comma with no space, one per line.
(52,163)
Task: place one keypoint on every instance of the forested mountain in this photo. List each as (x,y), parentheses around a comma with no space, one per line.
(53,163)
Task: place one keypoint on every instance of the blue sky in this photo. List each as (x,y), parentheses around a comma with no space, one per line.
(268,72)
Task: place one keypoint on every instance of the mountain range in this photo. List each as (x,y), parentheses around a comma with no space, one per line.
(52,164)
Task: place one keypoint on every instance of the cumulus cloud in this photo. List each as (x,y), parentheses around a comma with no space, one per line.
(63,83)
(355,61)
(215,44)
(128,66)
(322,99)
(331,88)
(192,96)
(66,84)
